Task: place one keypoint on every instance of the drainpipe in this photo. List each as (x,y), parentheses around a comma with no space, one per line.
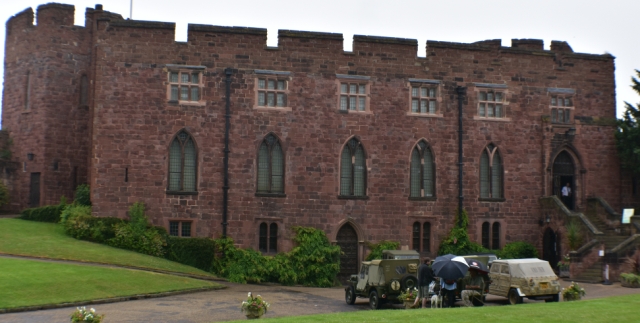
(227,125)
(461,91)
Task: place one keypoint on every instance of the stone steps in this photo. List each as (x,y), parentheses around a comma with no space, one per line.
(591,275)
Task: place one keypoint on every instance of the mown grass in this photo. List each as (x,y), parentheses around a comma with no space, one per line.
(32,282)
(605,310)
(48,240)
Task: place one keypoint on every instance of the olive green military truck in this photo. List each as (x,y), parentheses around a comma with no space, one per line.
(382,280)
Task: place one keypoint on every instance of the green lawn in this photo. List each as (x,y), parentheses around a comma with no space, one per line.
(29,238)
(32,282)
(605,310)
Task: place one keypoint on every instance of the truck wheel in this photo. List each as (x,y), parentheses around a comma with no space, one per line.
(374,301)
(514,298)
(410,282)
(350,295)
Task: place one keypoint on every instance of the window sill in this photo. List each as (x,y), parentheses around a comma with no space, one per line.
(352,197)
(280,109)
(354,112)
(180,237)
(181,193)
(271,195)
(479,118)
(490,199)
(422,198)
(424,115)
(189,103)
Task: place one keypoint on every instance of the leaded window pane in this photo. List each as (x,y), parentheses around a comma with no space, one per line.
(173,228)
(485,235)
(414,91)
(489,96)
(567,116)
(496,235)
(415,176)
(424,91)
(498,110)
(186,229)
(189,166)
(427,175)
(262,244)
(352,103)
(567,102)
(184,78)
(280,99)
(343,102)
(174,92)
(483,96)
(553,101)
(353,88)
(175,165)
(361,89)
(432,107)
(426,237)
(194,78)
(261,98)
(271,99)
(414,105)
(361,103)
(271,84)
(496,176)
(173,77)
(184,93)
(423,106)
(345,172)
(273,237)
(343,88)
(195,94)
(490,108)
(484,174)
(560,115)
(482,109)
(498,97)
(432,93)
(359,173)
(277,176)
(263,168)
(554,115)
(280,85)
(416,236)
(261,83)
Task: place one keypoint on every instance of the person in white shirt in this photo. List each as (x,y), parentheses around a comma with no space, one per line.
(566,195)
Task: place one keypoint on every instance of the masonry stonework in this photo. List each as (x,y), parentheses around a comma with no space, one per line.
(119,142)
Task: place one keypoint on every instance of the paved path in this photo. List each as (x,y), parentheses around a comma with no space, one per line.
(223,305)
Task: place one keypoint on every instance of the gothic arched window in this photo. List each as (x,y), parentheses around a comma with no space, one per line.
(182,163)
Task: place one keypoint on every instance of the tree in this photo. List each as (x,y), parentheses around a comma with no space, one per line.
(628,134)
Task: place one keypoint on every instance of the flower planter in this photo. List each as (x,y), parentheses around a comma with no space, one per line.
(253,315)
(563,273)
(408,304)
(571,298)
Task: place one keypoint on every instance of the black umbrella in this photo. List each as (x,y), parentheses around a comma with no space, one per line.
(477,265)
(450,267)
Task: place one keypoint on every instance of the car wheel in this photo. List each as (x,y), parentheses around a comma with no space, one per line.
(374,301)
(410,282)
(514,298)
(350,295)
(556,298)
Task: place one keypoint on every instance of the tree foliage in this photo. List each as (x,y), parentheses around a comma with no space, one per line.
(457,242)
(628,134)
(377,248)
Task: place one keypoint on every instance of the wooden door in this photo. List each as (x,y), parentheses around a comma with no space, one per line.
(348,241)
(34,190)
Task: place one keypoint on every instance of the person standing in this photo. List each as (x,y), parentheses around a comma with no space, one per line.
(425,277)
(448,289)
(566,196)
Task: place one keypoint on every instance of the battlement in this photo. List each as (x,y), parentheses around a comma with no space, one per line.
(55,14)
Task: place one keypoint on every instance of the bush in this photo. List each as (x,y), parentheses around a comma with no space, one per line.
(457,242)
(195,252)
(83,195)
(50,213)
(518,250)
(137,235)
(79,223)
(574,235)
(314,259)
(377,248)
(4,194)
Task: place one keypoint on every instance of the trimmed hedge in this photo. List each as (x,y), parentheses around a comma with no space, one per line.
(195,252)
(49,213)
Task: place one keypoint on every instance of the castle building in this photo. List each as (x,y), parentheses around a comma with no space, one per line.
(363,144)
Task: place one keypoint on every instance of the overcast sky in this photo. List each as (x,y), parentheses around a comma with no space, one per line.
(589,26)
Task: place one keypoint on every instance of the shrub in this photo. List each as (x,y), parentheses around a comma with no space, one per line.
(4,194)
(377,248)
(195,252)
(79,223)
(574,235)
(83,195)
(137,235)
(314,259)
(50,213)
(457,242)
(518,250)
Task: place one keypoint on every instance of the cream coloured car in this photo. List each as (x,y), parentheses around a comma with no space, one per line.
(519,278)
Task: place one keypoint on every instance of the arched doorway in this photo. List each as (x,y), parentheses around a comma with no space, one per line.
(563,174)
(348,241)
(550,247)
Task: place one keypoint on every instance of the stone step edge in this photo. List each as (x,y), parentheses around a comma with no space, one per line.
(108,300)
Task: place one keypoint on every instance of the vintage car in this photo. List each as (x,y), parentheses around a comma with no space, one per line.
(382,280)
(518,278)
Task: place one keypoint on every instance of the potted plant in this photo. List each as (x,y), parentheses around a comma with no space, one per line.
(563,266)
(573,293)
(408,297)
(82,315)
(254,307)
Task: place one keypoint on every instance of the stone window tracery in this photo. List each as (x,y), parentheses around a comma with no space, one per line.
(353,170)
(422,171)
(185,84)
(491,173)
(182,164)
(270,166)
